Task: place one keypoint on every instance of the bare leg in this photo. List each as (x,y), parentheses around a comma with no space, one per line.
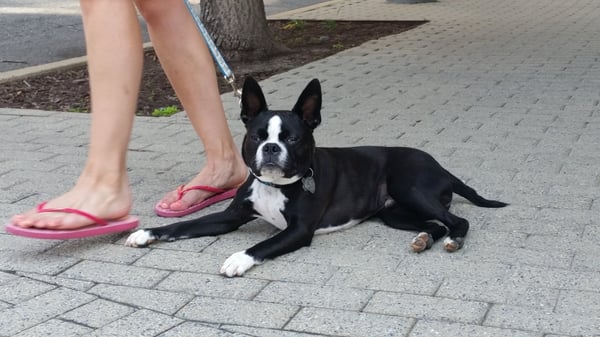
(115,63)
(190,69)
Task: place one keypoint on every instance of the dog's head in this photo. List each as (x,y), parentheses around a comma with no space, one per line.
(279,144)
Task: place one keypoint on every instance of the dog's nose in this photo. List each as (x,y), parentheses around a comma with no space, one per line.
(271,148)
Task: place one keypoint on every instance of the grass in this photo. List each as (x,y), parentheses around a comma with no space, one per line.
(165,111)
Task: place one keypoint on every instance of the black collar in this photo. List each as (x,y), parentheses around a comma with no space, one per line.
(308,174)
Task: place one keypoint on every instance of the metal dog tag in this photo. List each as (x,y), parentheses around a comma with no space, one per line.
(308,184)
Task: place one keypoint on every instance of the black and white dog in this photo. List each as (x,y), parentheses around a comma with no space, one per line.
(305,190)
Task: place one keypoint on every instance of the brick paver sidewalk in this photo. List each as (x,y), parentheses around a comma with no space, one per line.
(504,93)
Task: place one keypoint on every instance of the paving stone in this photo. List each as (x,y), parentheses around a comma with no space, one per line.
(99,252)
(427,307)
(57,328)
(253,331)
(585,303)
(15,243)
(60,281)
(115,274)
(344,257)
(494,290)
(192,329)
(181,261)
(167,302)
(34,262)
(298,272)
(22,289)
(314,295)
(395,281)
(230,311)
(349,323)
(4,305)
(212,285)
(39,309)
(542,321)
(555,278)
(436,328)
(97,313)
(141,323)
(6,277)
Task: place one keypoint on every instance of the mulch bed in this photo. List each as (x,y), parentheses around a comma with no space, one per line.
(68,90)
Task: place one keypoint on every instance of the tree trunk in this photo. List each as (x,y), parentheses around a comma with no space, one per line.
(239,28)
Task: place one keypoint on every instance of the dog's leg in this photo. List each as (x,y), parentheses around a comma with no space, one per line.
(430,206)
(288,240)
(428,231)
(209,225)
(458,230)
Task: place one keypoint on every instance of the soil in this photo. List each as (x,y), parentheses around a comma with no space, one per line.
(68,89)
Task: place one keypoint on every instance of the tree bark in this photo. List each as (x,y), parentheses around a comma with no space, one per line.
(239,28)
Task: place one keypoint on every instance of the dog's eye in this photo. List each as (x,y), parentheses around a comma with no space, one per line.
(255,137)
(258,136)
(292,139)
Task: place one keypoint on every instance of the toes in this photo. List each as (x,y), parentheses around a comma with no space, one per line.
(452,245)
(168,200)
(178,205)
(22,221)
(421,242)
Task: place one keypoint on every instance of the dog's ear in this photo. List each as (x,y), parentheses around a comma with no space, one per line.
(253,100)
(308,106)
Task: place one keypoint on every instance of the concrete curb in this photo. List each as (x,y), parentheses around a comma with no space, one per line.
(41,69)
(17,74)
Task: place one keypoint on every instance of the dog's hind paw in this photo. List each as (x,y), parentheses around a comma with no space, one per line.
(140,238)
(237,264)
(452,245)
(421,242)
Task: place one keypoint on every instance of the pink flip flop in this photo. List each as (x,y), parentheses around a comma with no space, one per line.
(220,195)
(100,226)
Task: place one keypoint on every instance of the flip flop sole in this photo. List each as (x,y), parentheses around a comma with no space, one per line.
(89,231)
(167,213)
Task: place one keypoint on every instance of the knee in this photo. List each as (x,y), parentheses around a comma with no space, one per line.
(87,6)
(154,11)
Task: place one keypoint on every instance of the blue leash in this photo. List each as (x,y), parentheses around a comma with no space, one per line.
(214,51)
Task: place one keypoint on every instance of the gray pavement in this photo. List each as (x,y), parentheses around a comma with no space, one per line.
(37,32)
(503,93)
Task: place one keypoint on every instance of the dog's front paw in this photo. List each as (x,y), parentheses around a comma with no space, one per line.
(140,238)
(237,264)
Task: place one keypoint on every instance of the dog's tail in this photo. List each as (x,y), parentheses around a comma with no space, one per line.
(470,194)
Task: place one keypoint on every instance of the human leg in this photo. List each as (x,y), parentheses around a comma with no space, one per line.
(190,69)
(113,42)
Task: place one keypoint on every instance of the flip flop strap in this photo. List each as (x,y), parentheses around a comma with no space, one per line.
(95,219)
(182,191)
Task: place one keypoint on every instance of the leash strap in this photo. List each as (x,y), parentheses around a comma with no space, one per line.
(214,51)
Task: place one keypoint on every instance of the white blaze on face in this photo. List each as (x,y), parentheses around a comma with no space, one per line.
(273,132)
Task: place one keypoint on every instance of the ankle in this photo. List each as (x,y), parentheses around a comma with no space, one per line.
(101,177)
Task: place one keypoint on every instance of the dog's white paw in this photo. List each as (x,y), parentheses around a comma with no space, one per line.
(140,238)
(237,264)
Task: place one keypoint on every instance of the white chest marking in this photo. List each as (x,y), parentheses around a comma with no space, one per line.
(268,203)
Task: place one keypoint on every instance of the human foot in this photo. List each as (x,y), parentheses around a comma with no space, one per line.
(210,182)
(102,201)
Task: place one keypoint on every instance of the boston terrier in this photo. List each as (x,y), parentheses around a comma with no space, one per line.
(305,190)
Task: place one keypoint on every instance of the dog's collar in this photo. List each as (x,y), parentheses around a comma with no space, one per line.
(308,181)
